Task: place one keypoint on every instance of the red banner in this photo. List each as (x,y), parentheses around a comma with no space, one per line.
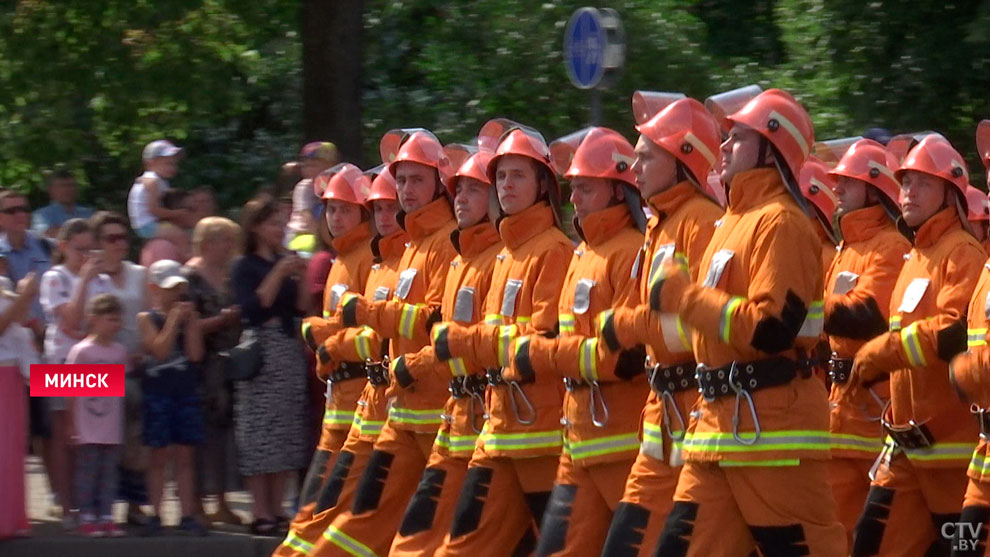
(76,380)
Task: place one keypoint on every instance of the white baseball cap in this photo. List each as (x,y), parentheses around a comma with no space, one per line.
(160,148)
(166,274)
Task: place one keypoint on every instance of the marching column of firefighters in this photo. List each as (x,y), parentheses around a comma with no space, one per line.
(762,345)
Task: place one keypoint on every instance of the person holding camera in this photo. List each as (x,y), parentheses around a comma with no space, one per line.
(172,337)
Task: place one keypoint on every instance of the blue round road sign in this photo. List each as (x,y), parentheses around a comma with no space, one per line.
(584,48)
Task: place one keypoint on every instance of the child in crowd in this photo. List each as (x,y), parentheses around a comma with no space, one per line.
(98,423)
(144,201)
(173,418)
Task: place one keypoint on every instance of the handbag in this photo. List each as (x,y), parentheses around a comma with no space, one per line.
(244,361)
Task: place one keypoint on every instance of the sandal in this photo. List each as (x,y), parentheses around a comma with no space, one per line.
(264,527)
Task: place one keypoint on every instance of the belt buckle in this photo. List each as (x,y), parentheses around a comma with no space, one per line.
(700,378)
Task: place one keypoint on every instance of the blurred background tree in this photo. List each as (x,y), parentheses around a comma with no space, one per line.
(241,85)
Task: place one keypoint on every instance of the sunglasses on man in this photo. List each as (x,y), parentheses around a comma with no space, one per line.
(16,209)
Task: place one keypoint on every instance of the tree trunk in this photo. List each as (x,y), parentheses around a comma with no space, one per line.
(332,70)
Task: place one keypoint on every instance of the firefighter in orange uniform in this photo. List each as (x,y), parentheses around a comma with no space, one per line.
(978,209)
(476,240)
(600,410)
(816,187)
(676,150)
(857,301)
(512,469)
(760,434)
(420,167)
(920,478)
(355,344)
(343,189)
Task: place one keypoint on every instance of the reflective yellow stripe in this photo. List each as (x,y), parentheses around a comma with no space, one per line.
(588,359)
(332,416)
(347,543)
(523,319)
(456,443)
(493,319)
(326,314)
(505,335)
(407,319)
(457,367)
(521,441)
(652,440)
(912,345)
(814,322)
(675,334)
(938,451)
(567,323)
(850,442)
(601,446)
(367,427)
(787,440)
(976,337)
(304,330)
(416,417)
(362,343)
(895,322)
(979,463)
(293,541)
(725,325)
(779,462)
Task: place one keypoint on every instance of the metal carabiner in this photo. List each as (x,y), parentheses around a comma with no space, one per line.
(981,417)
(593,388)
(740,394)
(475,399)
(880,402)
(513,389)
(888,449)
(669,405)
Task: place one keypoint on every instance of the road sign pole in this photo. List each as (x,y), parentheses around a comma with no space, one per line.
(596,107)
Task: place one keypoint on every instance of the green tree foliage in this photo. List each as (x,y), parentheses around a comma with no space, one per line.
(89,82)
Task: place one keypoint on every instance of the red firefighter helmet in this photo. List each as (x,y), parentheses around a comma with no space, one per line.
(870,162)
(900,144)
(977,204)
(830,151)
(816,186)
(382,186)
(414,145)
(647,104)
(343,182)
(688,132)
(475,166)
(935,156)
(721,105)
(781,119)
(595,153)
(517,139)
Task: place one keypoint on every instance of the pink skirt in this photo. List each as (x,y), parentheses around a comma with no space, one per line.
(13,439)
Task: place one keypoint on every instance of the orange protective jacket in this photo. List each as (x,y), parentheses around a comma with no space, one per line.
(927,328)
(523,299)
(349,273)
(363,343)
(970,371)
(600,276)
(757,297)
(468,281)
(681,226)
(858,286)
(422,275)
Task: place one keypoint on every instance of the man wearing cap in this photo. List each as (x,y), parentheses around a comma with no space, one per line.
(314,158)
(920,476)
(760,433)
(144,201)
(857,304)
(400,454)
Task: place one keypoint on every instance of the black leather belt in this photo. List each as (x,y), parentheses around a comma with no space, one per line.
(673,379)
(839,370)
(494,376)
(378,374)
(347,371)
(749,376)
(468,385)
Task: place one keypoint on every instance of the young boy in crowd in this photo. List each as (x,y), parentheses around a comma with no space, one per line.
(97,423)
(144,201)
(173,419)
